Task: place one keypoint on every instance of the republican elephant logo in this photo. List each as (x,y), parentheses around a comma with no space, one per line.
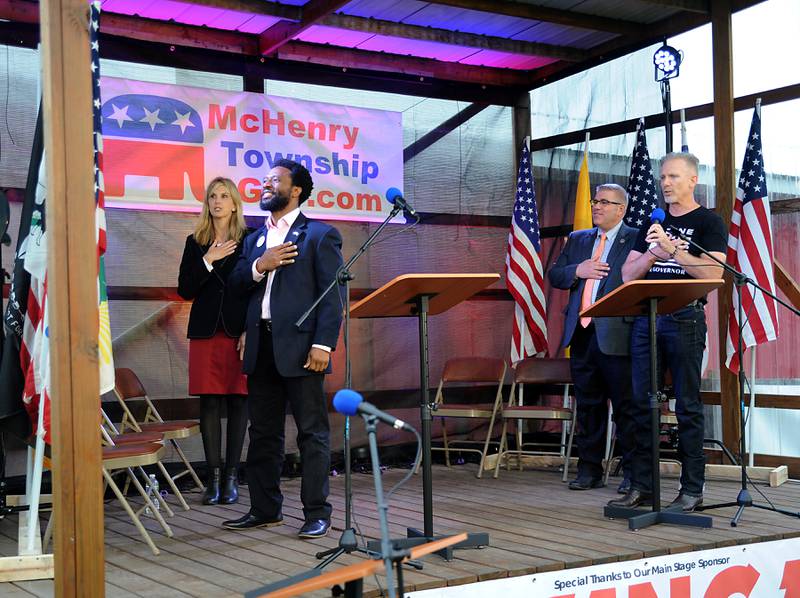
(153,136)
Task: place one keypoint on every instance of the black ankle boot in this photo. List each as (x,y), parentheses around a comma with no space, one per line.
(230,488)
(211,495)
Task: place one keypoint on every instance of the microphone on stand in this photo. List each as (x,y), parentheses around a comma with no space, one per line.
(349,402)
(395,197)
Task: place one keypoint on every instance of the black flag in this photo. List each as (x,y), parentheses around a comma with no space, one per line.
(13,417)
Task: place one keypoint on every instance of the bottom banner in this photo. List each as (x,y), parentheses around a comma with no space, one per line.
(764,570)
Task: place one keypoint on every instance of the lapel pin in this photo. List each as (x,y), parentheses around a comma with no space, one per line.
(295,233)
(261,241)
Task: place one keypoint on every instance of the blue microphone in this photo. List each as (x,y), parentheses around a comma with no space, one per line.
(395,197)
(349,402)
(657,216)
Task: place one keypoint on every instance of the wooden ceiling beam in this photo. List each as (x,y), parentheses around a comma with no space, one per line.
(408,65)
(549,15)
(457,38)
(283,31)
(245,44)
(700,6)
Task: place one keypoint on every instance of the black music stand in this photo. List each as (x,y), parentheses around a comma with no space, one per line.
(652,297)
(421,295)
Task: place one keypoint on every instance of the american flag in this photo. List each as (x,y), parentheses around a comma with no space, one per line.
(750,251)
(524,273)
(642,190)
(106,358)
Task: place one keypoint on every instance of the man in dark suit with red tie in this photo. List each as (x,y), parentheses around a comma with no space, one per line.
(590,266)
(283,267)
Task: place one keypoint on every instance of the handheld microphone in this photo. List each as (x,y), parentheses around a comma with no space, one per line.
(349,402)
(657,216)
(395,197)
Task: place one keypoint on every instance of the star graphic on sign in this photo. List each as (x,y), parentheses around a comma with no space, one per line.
(151,118)
(183,121)
(120,115)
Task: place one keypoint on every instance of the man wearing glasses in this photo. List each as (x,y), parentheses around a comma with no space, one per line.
(590,266)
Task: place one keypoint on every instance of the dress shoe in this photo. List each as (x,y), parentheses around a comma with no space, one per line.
(251,521)
(314,528)
(633,498)
(230,487)
(211,495)
(624,486)
(585,482)
(686,503)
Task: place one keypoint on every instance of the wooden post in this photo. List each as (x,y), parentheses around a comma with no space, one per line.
(72,299)
(725,195)
(521,124)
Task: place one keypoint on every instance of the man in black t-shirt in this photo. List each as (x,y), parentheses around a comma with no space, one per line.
(658,255)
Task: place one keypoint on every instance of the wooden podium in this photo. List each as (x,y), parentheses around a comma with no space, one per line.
(351,576)
(421,295)
(652,297)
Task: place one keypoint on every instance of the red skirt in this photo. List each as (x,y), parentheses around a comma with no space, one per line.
(214,366)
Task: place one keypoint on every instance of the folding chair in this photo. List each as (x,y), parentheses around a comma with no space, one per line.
(535,370)
(112,437)
(126,457)
(472,370)
(129,388)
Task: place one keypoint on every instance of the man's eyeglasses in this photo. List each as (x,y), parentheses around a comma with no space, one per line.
(604,202)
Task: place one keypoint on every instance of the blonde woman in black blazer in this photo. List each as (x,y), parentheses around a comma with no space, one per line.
(215,324)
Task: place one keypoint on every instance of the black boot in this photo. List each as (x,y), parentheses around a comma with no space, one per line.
(230,489)
(211,495)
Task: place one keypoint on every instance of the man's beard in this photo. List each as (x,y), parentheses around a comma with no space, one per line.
(275,203)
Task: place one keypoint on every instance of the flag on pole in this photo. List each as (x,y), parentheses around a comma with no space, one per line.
(642,190)
(750,251)
(106,357)
(583,212)
(13,416)
(524,272)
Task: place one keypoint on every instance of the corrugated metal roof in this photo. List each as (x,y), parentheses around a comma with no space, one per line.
(568,29)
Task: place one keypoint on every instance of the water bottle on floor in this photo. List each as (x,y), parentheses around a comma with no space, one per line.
(153,493)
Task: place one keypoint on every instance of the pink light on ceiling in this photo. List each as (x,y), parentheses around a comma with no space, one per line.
(423,49)
(505,60)
(319,34)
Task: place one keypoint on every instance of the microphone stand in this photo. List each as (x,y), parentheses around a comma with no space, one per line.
(391,555)
(740,280)
(347,541)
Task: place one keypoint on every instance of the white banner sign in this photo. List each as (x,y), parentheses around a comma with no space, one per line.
(164,143)
(765,570)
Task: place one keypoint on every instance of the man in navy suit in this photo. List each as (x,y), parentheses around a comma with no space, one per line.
(590,266)
(283,267)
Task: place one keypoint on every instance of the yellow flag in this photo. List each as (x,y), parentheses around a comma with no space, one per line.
(583,213)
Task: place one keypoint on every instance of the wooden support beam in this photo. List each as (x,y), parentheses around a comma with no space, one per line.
(700,6)
(72,299)
(443,129)
(725,171)
(787,284)
(283,31)
(521,121)
(784,206)
(569,18)
(409,65)
(457,38)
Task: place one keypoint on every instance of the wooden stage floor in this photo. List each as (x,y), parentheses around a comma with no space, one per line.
(535,524)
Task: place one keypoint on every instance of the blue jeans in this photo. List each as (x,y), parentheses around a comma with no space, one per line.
(680,342)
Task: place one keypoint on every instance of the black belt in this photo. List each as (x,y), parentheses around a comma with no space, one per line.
(266,325)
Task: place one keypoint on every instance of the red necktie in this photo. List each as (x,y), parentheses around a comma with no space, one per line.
(588,288)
